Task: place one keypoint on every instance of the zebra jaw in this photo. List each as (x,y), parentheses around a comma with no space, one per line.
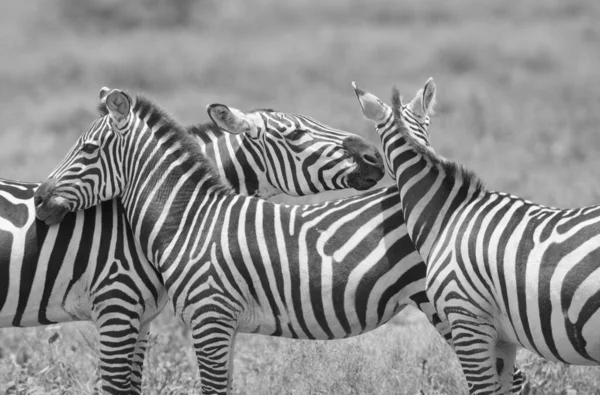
(51,210)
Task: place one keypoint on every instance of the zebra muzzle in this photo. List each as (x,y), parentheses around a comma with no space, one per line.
(49,208)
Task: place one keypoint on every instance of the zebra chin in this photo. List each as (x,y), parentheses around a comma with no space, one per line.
(49,208)
(50,213)
(360,183)
(52,217)
(369,163)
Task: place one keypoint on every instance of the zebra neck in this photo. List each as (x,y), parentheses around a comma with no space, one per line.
(165,222)
(430,192)
(240,162)
(167,182)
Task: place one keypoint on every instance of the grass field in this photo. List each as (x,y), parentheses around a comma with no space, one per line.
(518,99)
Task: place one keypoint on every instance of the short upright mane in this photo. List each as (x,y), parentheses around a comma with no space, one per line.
(203,130)
(163,124)
(453,169)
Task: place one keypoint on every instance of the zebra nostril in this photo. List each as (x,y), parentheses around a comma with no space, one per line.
(370,159)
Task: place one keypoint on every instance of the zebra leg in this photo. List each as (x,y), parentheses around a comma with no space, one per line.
(518,381)
(139,354)
(118,338)
(213,342)
(506,354)
(443,329)
(475,347)
(231,354)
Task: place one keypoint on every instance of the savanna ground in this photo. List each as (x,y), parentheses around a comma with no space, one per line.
(518,102)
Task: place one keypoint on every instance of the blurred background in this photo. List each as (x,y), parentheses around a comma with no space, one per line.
(518,102)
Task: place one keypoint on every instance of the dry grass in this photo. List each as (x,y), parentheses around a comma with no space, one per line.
(518,103)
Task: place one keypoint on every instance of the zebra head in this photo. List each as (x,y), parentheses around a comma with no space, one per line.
(415,116)
(88,175)
(300,155)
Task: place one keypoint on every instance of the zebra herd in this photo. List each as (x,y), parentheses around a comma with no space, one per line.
(143,210)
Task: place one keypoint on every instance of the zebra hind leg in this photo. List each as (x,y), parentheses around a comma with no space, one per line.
(213,345)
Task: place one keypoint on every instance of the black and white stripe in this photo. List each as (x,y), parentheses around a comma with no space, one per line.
(89,267)
(503,272)
(236,264)
(282,153)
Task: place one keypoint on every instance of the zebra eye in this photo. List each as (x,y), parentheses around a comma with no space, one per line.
(90,147)
(294,134)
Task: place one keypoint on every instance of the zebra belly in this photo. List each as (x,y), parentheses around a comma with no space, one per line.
(314,272)
(34,299)
(572,335)
(56,314)
(336,307)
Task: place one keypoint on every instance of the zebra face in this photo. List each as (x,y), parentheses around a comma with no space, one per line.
(88,174)
(415,115)
(299,154)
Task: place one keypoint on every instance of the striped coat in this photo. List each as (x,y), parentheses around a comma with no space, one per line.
(502,272)
(236,264)
(89,267)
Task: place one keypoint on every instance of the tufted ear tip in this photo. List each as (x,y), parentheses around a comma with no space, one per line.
(371,106)
(104,93)
(359,92)
(429,96)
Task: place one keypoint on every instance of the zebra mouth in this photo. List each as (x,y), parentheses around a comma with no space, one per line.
(49,208)
(366,175)
(361,182)
(50,211)
(369,165)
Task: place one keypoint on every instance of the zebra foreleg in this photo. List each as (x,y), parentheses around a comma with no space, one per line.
(506,354)
(518,381)
(213,345)
(230,370)
(443,329)
(139,354)
(118,338)
(475,347)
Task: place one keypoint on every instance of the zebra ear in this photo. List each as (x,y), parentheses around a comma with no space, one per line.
(229,119)
(373,108)
(117,103)
(423,103)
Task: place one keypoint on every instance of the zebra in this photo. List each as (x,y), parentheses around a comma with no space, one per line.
(277,152)
(89,267)
(328,271)
(502,271)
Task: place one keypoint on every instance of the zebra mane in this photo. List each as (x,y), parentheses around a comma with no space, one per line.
(102,110)
(202,130)
(452,169)
(163,124)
